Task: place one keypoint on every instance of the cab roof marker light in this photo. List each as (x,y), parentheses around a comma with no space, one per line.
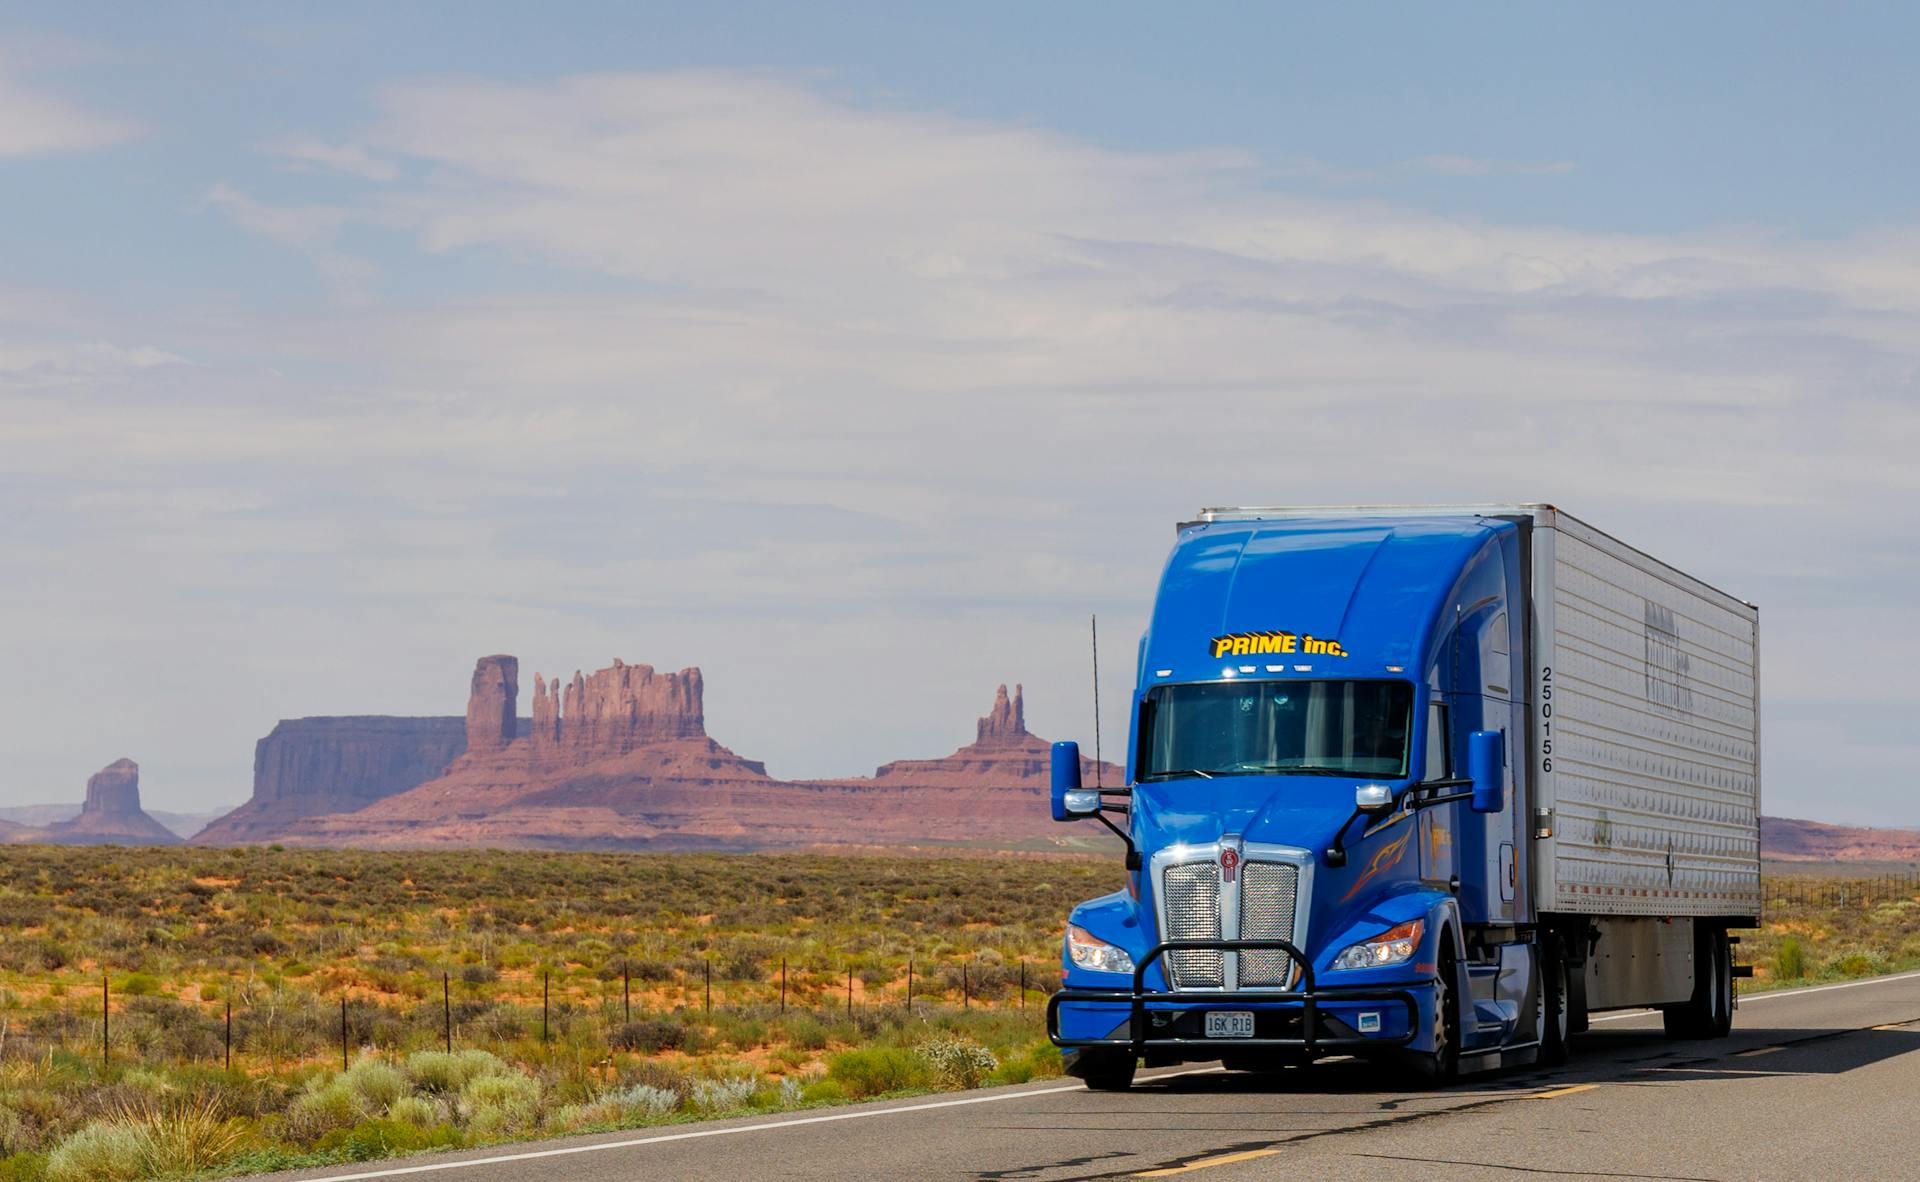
(1303,668)
(1227,672)
(1396,668)
(1163,673)
(1276,668)
(1248,669)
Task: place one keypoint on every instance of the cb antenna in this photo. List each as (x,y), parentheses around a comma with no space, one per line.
(1097,783)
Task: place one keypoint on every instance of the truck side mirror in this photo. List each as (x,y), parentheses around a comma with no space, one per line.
(1070,800)
(1372,798)
(1486,767)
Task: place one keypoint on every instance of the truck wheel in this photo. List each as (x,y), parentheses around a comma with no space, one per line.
(1443,1064)
(1106,1071)
(1722,985)
(1553,1006)
(1709,1012)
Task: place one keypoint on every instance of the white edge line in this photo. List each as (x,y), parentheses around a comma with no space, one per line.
(1746,998)
(600,1146)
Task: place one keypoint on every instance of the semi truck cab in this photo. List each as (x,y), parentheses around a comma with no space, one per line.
(1340,807)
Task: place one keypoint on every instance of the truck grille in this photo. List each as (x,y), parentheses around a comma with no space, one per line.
(1268,892)
(1259,904)
(1192,893)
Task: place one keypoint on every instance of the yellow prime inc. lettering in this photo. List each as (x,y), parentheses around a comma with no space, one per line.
(1253,644)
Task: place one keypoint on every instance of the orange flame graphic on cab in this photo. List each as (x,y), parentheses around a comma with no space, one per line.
(1385,858)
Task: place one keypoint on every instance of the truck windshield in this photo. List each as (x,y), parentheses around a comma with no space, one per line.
(1255,728)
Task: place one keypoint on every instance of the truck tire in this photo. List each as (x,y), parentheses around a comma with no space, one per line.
(1106,1070)
(1709,1012)
(1554,1019)
(1443,1064)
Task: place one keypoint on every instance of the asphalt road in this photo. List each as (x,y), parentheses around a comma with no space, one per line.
(1818,1083)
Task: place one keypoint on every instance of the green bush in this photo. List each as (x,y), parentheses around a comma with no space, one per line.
(648,1035)
(498,1104)
(875,1071)
(1789,960)
(1859,964)
(438,1071)
(24,1167)
(958,1062)
(807,1032)
(375,1085)
(417,1111)
(373,1139)
(327,1105)
(104,1151)
(138,985)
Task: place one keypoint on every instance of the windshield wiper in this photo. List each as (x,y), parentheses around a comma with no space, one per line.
(1172,772)
(1311,769)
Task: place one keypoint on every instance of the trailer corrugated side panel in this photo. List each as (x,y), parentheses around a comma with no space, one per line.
(1645,735)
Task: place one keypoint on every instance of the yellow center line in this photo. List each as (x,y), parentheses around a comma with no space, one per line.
(1204,1163)
(1565,1091)
(1757,1051)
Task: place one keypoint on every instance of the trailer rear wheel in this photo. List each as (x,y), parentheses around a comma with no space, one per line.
(1709,1012)
(1554,1024)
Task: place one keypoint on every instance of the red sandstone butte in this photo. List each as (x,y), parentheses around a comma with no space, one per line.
(490,703)
(314,766)
(112,813)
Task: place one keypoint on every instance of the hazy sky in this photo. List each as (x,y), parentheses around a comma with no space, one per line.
(856,353)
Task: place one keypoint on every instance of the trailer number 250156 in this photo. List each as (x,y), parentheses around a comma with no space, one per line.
(1546,718)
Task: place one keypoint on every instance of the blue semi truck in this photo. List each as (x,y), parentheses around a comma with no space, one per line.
(1425,785)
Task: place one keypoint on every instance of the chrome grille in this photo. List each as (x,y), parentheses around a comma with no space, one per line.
(1268,892)
(1192,894)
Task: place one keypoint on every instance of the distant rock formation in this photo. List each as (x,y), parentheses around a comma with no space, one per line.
(620,759)
(492,702)
(114,790)
(616,710)
(112,814)
(1788,840)
(308,767)
(1005,724)
(1003,755)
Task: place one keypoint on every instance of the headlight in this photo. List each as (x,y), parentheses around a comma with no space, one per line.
(1396,945)
(1089,951)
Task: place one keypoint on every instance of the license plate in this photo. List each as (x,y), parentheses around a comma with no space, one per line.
(1230,1024)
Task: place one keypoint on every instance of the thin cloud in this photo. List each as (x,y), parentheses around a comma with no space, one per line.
(1465,166)
(317,156)
(35,122)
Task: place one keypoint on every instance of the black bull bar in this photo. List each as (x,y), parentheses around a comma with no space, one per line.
(1308,996)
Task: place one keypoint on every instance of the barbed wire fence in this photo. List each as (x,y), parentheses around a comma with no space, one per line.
(258,1019)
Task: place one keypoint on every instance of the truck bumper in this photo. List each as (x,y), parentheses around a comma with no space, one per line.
(1164,1023)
